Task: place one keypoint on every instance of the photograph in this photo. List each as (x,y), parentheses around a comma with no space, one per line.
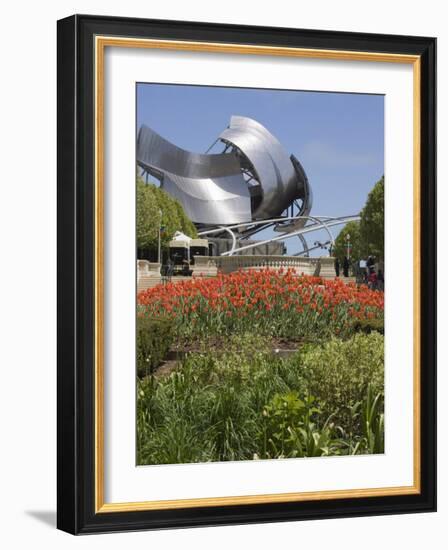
(260,274)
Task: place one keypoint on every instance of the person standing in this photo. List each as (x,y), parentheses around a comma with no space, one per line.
(345,266)
(337,267)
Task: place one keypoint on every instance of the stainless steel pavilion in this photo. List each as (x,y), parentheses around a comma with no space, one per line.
(251,185)
(252,179)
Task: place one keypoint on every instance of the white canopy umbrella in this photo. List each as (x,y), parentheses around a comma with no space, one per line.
(179,236)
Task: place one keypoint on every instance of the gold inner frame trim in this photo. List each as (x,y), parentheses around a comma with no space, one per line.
(101,42)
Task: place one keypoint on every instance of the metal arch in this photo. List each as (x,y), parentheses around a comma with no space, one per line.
(319,222)
(307,229)
(305,250)
(315,247)
(317,219)
(231,233)
(344,219)
(325,226)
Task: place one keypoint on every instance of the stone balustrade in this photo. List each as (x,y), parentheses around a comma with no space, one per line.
(308,266)
(205,266)
(148,274)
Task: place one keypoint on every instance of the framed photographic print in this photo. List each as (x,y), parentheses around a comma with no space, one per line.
(246,274)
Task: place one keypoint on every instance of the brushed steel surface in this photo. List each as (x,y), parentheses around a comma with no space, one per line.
(212,188)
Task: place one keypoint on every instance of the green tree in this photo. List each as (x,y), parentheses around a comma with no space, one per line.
(187,226)
(156,208)
(371,227)
(340,244)
(148,217)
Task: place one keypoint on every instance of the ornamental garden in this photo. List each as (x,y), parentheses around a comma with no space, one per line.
(262,363)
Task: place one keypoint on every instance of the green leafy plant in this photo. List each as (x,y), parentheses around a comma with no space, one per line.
(247,403)
(373,421)
(339,371)
(284,413)
(289,430)
(154,338)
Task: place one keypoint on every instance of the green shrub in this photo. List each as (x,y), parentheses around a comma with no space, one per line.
(289,431)
(154,339)
(246,403)
(369,325)
(339,372)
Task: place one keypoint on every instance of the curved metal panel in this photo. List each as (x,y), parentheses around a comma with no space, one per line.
(153,149)
(307,191)
(280,182)
(211,188)
(210,201)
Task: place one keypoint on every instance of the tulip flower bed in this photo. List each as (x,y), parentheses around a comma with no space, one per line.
(230,396)
(273,303)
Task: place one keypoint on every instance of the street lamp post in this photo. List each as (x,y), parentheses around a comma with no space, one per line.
(347,238)
(160,238)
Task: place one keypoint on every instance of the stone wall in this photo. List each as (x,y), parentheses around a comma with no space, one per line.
(308,266)
(148,275)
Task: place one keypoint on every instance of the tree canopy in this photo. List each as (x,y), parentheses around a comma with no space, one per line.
(371,226)
(340,244)
(156,208)
(367,235)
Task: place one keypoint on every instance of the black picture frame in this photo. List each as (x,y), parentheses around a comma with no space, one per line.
(76,275)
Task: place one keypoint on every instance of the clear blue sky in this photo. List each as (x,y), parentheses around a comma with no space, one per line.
(338,137)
